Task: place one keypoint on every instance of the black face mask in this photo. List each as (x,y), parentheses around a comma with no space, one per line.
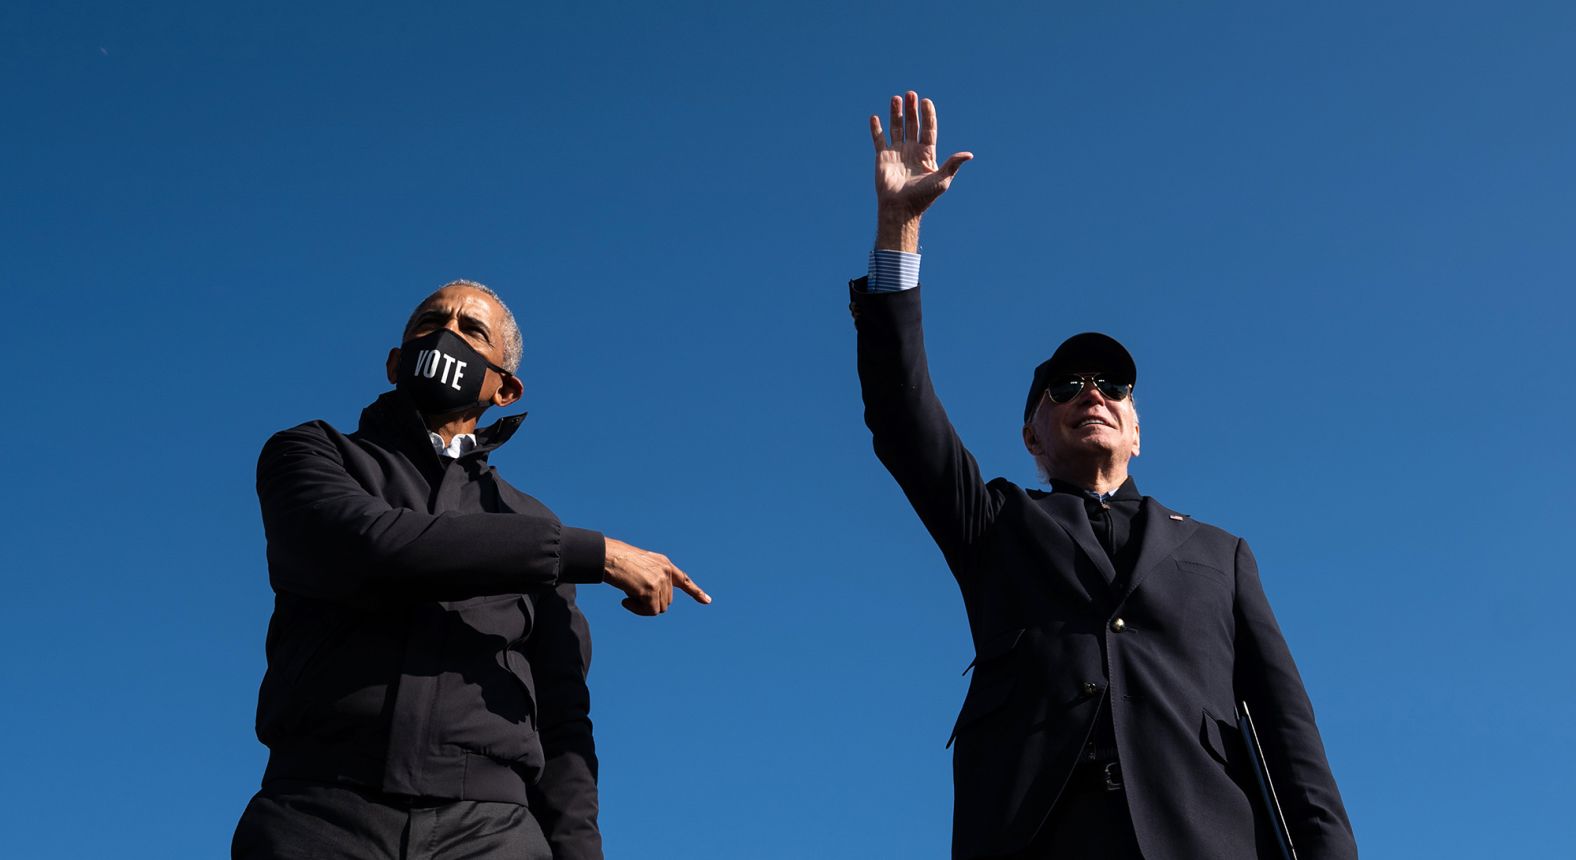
(441,373)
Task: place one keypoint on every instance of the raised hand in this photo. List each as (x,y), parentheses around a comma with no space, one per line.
(908,179)
(647,578)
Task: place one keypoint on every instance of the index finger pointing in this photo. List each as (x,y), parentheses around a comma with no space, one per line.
(682,580)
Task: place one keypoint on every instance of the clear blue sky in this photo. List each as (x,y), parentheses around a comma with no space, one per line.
(1337,239)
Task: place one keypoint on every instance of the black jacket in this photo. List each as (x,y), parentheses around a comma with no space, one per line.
(425,639)
(1171,653)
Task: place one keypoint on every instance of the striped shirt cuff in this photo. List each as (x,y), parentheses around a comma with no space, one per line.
(892,271)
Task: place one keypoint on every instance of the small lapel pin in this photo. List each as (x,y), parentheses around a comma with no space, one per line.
(1177,517)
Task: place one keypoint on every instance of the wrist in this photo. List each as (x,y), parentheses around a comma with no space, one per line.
(897,231)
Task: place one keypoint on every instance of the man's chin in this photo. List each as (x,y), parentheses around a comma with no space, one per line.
(1096,442)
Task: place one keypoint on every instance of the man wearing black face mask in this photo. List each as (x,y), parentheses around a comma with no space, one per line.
(425,691)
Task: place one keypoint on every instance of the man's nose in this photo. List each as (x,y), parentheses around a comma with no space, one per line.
(1091,394)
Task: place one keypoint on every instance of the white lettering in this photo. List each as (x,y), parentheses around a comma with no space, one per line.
(459,371)
(424,363)
(448,361)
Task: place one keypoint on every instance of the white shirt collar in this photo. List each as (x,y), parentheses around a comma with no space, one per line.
(462,444)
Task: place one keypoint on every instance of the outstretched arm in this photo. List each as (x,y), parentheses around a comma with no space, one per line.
(330,538)
(335,540)
(910,430)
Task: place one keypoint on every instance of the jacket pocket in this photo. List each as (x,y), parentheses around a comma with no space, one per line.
(486,644)
(989,690)
(995,648)
(520,668)
(1205,571)
(981,702)
(1218,741)
(513,657)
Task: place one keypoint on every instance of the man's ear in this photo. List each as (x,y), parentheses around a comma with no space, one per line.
(392,365)
(1030,441)
(509,391)
(1137,437)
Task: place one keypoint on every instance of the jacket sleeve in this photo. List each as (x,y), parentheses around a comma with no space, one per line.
(911,433)
(328,537)
(564,801)
(1293,751)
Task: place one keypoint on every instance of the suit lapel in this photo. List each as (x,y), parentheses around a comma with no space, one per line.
(1068,512)
(1164,531)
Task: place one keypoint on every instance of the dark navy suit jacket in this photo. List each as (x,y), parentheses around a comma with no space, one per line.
(1172,653)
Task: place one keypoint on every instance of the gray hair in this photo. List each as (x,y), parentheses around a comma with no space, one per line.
(513,343)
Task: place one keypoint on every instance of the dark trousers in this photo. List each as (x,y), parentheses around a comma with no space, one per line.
(306,821)
(1087,822)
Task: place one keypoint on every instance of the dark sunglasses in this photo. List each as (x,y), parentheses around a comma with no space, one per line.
(1068,387)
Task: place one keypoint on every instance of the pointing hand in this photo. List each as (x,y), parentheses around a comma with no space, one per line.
(648,578)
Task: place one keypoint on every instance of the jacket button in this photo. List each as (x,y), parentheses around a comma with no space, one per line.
(1119,625)
(1090,689)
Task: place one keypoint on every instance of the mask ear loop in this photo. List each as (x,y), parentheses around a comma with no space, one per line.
(493,367)
(501,372)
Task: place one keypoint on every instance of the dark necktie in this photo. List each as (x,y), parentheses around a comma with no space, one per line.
(1111,518)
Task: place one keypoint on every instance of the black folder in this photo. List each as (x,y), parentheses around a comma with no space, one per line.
(1261,769)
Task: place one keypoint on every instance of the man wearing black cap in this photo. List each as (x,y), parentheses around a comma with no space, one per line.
(1113,636)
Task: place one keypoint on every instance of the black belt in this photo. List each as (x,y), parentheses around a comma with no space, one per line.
(1097,776)
(1094,752)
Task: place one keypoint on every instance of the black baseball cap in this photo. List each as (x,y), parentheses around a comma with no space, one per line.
(1090,352)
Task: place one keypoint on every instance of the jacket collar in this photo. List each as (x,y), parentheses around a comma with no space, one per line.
(394,419)
(1164,529)
(1067,509)
(1127,492)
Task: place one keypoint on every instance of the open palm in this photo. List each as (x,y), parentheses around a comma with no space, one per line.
(908,179)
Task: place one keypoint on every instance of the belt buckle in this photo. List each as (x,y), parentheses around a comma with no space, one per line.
(1112,773)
